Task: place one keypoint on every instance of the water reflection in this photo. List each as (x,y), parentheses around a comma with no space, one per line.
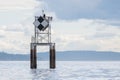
(44,74)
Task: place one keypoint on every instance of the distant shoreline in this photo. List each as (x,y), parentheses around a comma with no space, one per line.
(65,56)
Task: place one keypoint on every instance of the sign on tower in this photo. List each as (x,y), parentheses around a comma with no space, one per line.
(41,23)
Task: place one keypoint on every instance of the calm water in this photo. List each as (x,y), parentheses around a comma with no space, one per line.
(66,70)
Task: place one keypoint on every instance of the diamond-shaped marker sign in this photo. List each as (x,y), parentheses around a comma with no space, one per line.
(41,23)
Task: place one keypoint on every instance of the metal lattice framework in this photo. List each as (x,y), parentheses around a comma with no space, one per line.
(42,35)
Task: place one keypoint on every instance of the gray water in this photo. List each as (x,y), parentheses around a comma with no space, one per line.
(66,70)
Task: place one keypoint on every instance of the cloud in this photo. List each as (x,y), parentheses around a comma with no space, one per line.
(72,9)
(86,34)
(82,34)
(92,9)
(18,4)
(15,38)
(73,34)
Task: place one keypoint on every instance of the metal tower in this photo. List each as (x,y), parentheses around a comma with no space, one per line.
(42,37)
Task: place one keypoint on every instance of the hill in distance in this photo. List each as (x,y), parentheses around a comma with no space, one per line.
(65,56)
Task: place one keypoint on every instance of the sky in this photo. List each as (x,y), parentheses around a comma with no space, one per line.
(77,24)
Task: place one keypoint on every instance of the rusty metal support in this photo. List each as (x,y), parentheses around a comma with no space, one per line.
(33,57)
(52,56)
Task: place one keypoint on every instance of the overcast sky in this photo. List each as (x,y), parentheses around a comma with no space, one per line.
(77,24)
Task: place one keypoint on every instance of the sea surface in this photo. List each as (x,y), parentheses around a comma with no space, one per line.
(66,70)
